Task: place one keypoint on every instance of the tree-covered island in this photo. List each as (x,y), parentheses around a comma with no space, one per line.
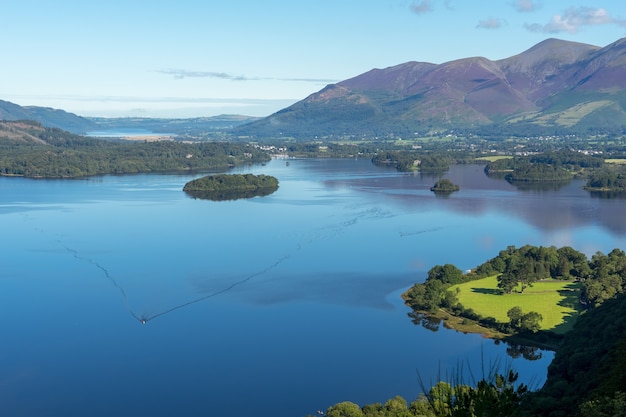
(444,186)
(608,180)
(231,186)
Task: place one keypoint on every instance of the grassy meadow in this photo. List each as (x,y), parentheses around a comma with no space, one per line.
(493,158)
(556,301)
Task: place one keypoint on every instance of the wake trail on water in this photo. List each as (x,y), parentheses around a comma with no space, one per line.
(329,232)
(106,273)
(143,319)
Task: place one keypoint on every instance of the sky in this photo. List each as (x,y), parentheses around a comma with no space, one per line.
(190,58)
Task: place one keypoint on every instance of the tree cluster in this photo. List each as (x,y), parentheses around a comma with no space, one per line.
(231,186)
(433,293)
(444,185)
(544,167)
(520,322)
(613,179)
(602,278)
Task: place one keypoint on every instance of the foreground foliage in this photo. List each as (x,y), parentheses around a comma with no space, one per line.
(588,373)
(494,395)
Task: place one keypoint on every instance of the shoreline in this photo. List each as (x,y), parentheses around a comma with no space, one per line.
(543,339)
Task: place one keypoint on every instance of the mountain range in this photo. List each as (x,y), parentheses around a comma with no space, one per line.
(555,86)
(49,117)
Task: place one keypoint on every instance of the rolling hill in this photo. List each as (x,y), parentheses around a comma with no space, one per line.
(48,117)
(54,118)
(554,86)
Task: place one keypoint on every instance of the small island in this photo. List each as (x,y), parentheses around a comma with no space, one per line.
(606,181)
(231,186)
(444,185)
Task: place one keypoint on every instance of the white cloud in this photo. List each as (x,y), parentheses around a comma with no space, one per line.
(574,18)
(181,73)
(525,5)
(490,23)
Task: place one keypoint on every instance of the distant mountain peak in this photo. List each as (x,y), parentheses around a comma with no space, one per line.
(554,85)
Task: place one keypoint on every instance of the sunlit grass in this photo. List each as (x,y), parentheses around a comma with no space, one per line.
(493,158)
(615,161)
(556,301)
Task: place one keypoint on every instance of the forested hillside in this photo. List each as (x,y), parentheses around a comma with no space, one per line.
(30,150)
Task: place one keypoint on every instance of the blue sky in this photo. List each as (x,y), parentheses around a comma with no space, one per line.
(188,58)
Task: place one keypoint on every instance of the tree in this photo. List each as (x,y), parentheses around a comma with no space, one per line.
(530,322)
(506,282)
(515,317)
(447,274)
(344,409)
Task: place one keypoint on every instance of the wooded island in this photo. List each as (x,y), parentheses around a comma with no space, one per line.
(231,186)
(444,186)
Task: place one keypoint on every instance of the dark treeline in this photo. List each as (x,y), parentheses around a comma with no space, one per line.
(587,377)
(52,153)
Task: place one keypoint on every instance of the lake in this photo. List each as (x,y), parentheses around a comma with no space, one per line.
(273,306)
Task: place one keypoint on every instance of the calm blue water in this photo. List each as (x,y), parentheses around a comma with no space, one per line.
(281,305)
(126,132)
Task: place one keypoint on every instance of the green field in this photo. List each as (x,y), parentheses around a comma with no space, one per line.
(556,301)
(493,158)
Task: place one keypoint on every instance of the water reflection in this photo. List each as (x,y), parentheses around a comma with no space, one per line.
(513,349)
(551,206)
(539,186)
(608,194)
(229,195)
(529,353)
